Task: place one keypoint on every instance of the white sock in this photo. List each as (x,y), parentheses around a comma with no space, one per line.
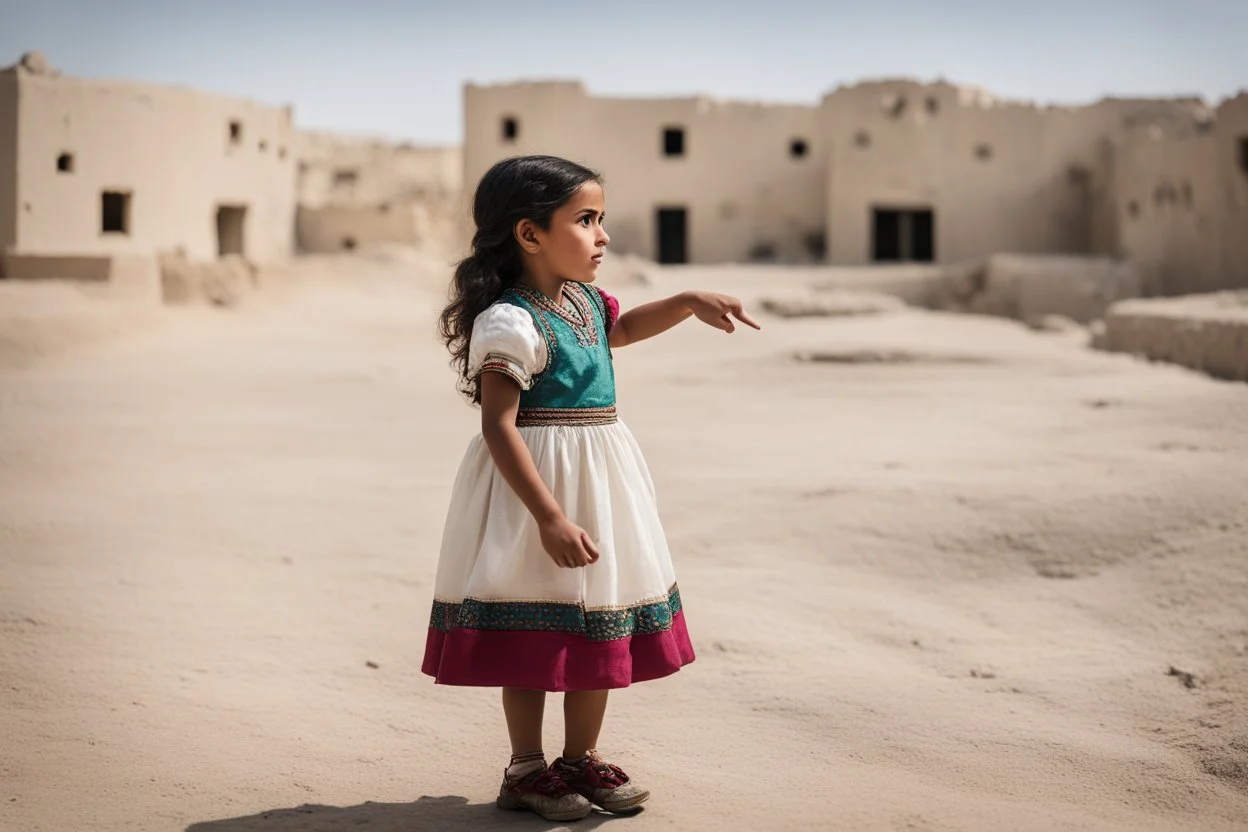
(525,767)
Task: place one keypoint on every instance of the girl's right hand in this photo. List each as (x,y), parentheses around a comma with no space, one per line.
(567,543)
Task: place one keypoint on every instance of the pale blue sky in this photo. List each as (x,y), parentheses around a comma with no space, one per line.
(396,68)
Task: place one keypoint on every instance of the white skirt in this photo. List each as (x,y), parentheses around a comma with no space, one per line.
(491,549)
(618,620)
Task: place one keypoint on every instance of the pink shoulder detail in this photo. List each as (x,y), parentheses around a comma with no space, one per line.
(613,308)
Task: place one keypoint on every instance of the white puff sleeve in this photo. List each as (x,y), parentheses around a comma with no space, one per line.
(505,340)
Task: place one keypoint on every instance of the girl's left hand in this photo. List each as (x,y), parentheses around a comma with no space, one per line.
(718,310)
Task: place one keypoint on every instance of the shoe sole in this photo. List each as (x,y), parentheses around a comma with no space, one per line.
(512,805)
(624,806)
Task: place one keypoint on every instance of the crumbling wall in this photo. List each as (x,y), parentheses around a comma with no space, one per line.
(1027,288)
(348,228)
(1206,332)
(1023,287)
(224,282)
(356,192)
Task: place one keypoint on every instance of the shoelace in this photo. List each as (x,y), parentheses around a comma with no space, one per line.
(550,783)
(611,775)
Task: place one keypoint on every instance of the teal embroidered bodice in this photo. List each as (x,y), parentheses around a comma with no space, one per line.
(578,374)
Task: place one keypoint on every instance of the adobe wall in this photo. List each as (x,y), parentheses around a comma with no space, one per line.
(1232,133)
(356,192)
(131,276)
(336,228)
(170,149)
(346,170)
(999,176)
(745,194)
(8,160)
(1207,332)
(1183,204)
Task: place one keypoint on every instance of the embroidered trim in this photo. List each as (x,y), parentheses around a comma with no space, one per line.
(497,363)
(539,320)
(584,323)
(605,624)
(532,417)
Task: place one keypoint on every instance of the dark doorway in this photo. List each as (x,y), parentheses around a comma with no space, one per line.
(673,235)
(115,212)
(903,235)
(231,230)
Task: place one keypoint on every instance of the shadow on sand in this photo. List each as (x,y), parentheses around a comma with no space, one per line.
(428,813)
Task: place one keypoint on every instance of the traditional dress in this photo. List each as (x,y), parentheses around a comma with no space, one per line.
(503,613)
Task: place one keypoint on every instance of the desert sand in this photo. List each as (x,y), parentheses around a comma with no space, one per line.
(955,575)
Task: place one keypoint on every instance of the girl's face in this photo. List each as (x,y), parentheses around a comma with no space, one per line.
(573,246)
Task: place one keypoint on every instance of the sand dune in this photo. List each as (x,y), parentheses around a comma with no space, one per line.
(954,587)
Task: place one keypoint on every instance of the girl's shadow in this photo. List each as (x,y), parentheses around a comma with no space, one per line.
(427,813)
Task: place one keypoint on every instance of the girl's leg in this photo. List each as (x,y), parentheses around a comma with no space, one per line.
(524,709)
(583,711)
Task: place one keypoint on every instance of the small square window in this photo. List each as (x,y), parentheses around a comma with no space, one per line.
(236,132)
(674,141)
(511,129)
(1243,153)
(115,212)
(798,148)
(345,177)
(264,146)
(983,152)
(932,104)
(65,163)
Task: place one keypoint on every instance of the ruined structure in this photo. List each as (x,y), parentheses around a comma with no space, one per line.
(884,171)
(355,193)
(97,178)
(1182,200)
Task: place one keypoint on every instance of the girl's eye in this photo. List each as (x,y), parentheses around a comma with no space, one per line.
(586,219)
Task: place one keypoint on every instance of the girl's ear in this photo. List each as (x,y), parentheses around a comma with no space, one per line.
(526,236)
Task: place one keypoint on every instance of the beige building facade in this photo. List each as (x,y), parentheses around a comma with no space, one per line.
(1183,200)
(882,171)
(101,169)
(360,192)
(726,181)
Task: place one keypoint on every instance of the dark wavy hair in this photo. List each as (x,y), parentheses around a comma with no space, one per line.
(520,188)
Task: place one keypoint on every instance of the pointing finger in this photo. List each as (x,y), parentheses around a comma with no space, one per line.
(744,317)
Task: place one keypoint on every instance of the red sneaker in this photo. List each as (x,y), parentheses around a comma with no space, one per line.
(545,792)
(601,783)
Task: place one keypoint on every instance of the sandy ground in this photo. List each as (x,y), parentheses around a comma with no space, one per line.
(941,594)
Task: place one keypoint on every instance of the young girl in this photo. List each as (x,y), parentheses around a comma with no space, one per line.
(554,573)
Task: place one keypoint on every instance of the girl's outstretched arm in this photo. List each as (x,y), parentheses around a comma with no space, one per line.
(651,319)
(566,543)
